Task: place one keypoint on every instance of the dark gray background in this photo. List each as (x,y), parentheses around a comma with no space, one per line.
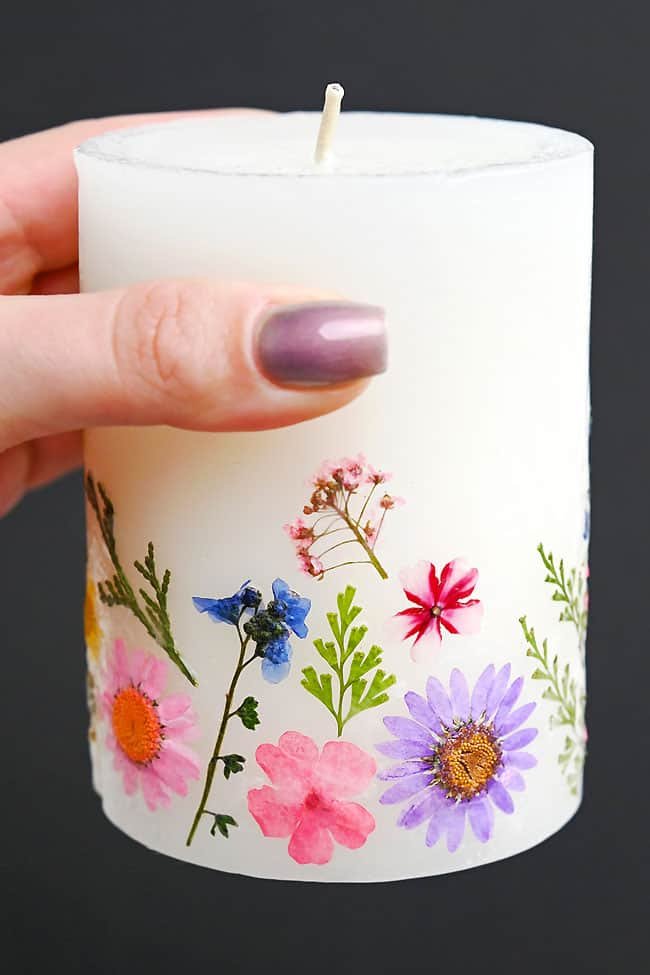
(79,896)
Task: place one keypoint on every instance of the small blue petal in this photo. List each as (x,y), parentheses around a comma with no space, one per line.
(296,607)
(277,661)
(227,610)
(275,673)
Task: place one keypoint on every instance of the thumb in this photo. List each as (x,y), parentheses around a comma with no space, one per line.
(189,353)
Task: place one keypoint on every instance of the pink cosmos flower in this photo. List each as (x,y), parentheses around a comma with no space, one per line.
(147,732)
(438,603)
(309,802)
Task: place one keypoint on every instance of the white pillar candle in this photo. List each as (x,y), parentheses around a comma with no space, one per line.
(475,236)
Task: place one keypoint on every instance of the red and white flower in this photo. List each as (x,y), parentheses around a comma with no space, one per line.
(439,604)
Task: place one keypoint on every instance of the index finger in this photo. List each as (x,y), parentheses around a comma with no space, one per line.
(38,195)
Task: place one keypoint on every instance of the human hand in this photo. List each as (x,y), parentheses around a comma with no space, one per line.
(196,354)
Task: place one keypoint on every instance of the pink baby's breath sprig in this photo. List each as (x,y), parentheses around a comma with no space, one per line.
(342,515)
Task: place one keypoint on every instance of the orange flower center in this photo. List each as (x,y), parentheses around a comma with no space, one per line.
(467,761)
(136,725)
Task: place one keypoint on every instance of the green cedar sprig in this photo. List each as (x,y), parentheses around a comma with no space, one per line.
(569,589)
(151,608)
(561,689)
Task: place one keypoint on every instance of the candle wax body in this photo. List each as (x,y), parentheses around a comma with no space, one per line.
(475,235)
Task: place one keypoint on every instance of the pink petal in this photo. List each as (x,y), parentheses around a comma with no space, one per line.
(310,842)
(299,747)
(154,677)
(174,706)
(420,584)
(412,622)
(291,774)
(181,758)
(168,772)
(465,618)
(426,643)
(129,773)
(350,824)
(118,668)
(107,700)
(137,666)
(152,790)
(457,581)
(343,769)
(274,816)
(178,718)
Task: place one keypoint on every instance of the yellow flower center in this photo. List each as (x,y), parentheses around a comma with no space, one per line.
(467,760)
(92,629)
(136,725)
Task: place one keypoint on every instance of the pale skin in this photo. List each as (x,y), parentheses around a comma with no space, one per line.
(176,352)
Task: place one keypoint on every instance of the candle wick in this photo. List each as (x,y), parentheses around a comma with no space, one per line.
(330,116)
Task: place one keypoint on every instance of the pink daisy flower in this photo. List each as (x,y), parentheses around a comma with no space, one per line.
(309,802)
(147,732)
(438,603)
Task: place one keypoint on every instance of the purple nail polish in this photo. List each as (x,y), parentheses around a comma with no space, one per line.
(322,343)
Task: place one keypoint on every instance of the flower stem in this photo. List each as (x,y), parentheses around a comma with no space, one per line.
(364,545)
(348,541)
(225,717)
(365,504)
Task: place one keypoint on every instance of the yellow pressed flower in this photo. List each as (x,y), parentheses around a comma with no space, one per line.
(92,629)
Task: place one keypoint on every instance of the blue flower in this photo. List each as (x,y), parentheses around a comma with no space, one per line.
(290,607)
(276,663)
(230,608)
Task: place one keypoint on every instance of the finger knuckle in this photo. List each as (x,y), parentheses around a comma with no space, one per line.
(159,338)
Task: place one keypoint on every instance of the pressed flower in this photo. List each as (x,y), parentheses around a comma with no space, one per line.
(390,501)
(310,565)
(276,662)
(230,608)
(92,630)
(262,636)
(460,755)
(290,607)
(308,799)
(147,731)
(374,476)
(438,603)
(299,530)
(342,499)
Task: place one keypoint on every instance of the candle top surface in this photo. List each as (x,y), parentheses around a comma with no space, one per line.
(367,144)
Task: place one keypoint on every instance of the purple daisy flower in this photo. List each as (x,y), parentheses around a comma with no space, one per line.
(460,755)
